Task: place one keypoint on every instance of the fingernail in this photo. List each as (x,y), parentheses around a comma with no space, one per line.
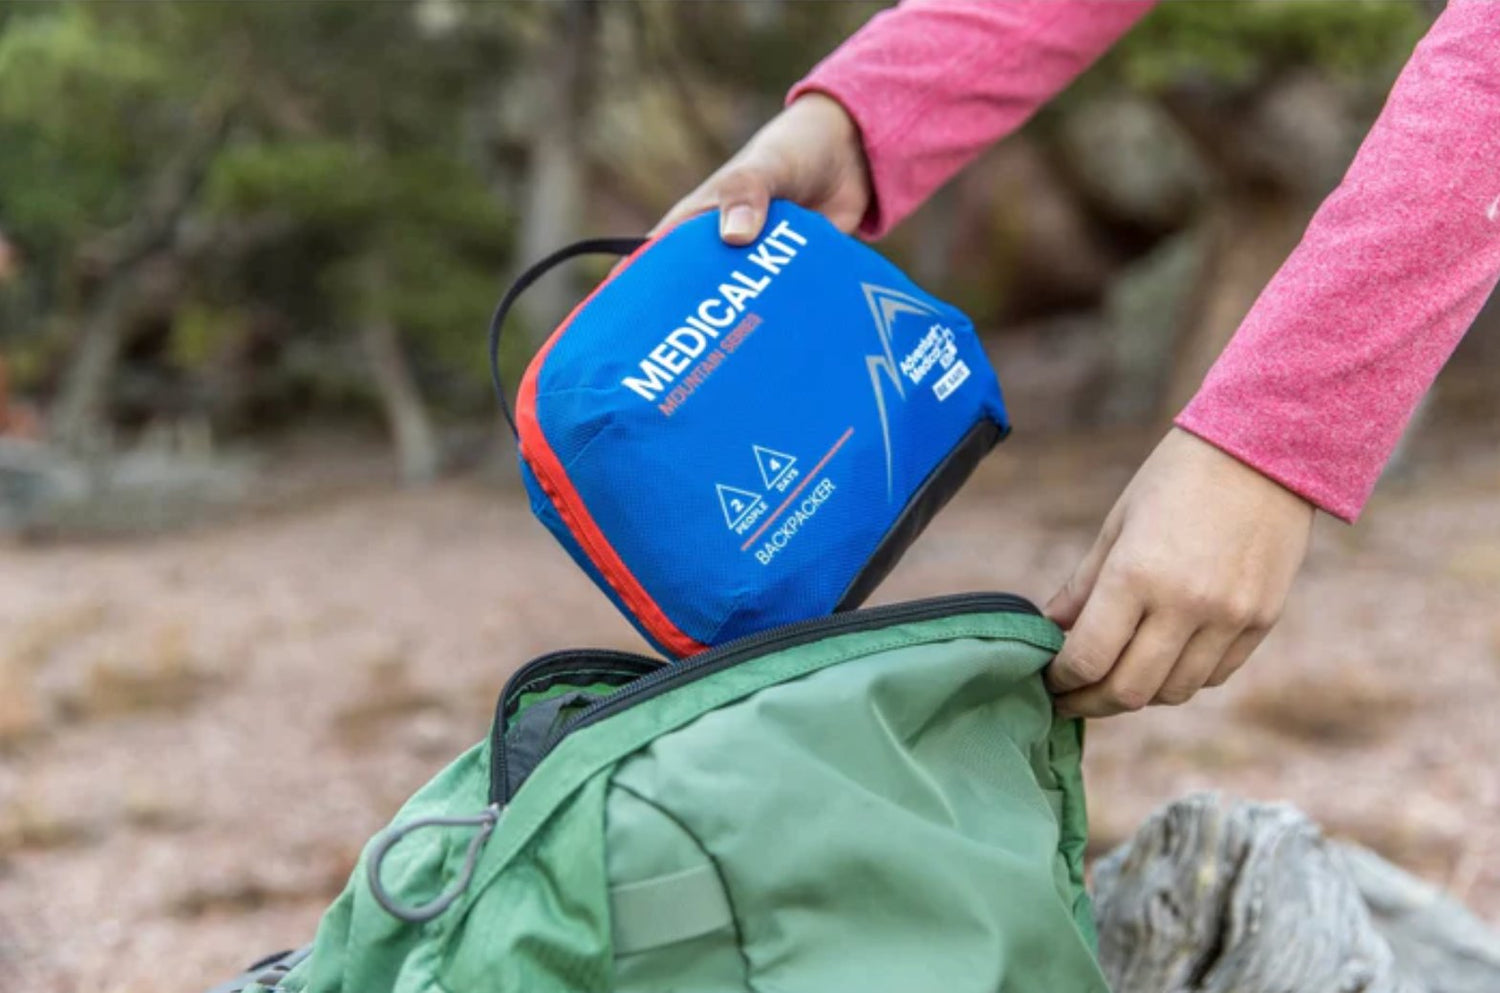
(737,224)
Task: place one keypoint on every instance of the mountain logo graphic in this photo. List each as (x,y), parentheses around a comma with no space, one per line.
(885,306)
(773,464)
(736,503)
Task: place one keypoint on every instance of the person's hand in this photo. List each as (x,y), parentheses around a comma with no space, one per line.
(810,154)
(1189,572)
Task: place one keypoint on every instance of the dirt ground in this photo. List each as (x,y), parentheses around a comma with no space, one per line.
(198,732)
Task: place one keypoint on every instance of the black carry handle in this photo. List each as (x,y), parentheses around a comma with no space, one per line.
(593,246)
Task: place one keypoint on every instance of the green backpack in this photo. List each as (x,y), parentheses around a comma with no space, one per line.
(881,801)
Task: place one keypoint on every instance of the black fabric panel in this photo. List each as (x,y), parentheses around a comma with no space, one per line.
(526,736)
(934,493)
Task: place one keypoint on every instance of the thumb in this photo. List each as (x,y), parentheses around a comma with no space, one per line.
(744,197)
(1067,603)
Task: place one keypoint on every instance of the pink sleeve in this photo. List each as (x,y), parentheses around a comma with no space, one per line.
(932,83)
(1321,379)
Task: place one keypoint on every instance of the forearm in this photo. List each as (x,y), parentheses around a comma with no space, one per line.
(933,83)
(1324,374)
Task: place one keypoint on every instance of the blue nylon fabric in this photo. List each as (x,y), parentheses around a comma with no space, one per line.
(547,514)
(753,495)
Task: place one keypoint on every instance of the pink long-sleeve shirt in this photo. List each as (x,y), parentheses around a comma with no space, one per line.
(1323,376)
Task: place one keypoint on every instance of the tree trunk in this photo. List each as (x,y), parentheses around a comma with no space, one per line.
(553,208)
(1277,148)
(78,417)
(1215,897)
(1250,234)
(121,255)
(418,453)
(1438,944)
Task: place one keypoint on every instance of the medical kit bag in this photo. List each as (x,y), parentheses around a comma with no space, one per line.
(730,439)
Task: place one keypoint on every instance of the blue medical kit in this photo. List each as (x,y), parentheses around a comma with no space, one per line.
(730,439)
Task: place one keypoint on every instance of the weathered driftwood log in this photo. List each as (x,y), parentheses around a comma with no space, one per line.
(1439,946)
(1213,896)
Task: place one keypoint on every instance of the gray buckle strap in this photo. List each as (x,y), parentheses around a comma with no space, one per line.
(267,972)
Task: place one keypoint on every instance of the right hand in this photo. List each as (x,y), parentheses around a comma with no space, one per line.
(810,154)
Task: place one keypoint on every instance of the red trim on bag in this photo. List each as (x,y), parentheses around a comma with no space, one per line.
(554,481)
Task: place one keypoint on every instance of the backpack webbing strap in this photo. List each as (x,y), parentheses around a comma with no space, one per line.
(667,909)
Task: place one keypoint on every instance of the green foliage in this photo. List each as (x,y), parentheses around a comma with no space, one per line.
(197,330)
(353,146)
(1242,41)
(68,56)
(318,181)
(762,48)
(437,234)
(82,115)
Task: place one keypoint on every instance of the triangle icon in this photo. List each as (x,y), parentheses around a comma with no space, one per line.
(736,503)
(773,464)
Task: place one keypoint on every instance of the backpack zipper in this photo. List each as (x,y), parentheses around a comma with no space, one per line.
(554,663)
(670,676)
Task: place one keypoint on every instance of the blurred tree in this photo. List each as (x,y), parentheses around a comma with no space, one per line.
(261,153)
(107,149)
(560,105)
(383,190)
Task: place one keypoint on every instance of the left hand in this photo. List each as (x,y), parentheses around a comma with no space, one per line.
(1188,574)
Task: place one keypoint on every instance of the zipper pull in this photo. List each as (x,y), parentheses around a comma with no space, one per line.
(484,822)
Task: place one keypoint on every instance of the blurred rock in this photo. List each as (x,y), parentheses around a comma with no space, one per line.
(34,478)
(1304,132)
(1295,133)
(45,491)
(1023,244)
(1049,369)
(1213,896)
(1133,162)
(1144,313)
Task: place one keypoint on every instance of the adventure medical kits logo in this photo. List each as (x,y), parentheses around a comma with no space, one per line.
(938,348)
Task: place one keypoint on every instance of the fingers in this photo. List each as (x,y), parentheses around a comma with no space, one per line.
(811,154)
(1161,667)
(1138,638)
(1167,660)
(1134,681)
(1178,594)
(1239,652)
(691,205)
(742,194)
(1066,604)
(1199,660)
(1106,624)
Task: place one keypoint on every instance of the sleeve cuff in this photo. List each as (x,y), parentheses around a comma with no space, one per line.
(872,225)
(1291,474)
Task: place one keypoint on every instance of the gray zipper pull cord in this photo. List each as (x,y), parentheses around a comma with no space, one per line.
(484,821)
